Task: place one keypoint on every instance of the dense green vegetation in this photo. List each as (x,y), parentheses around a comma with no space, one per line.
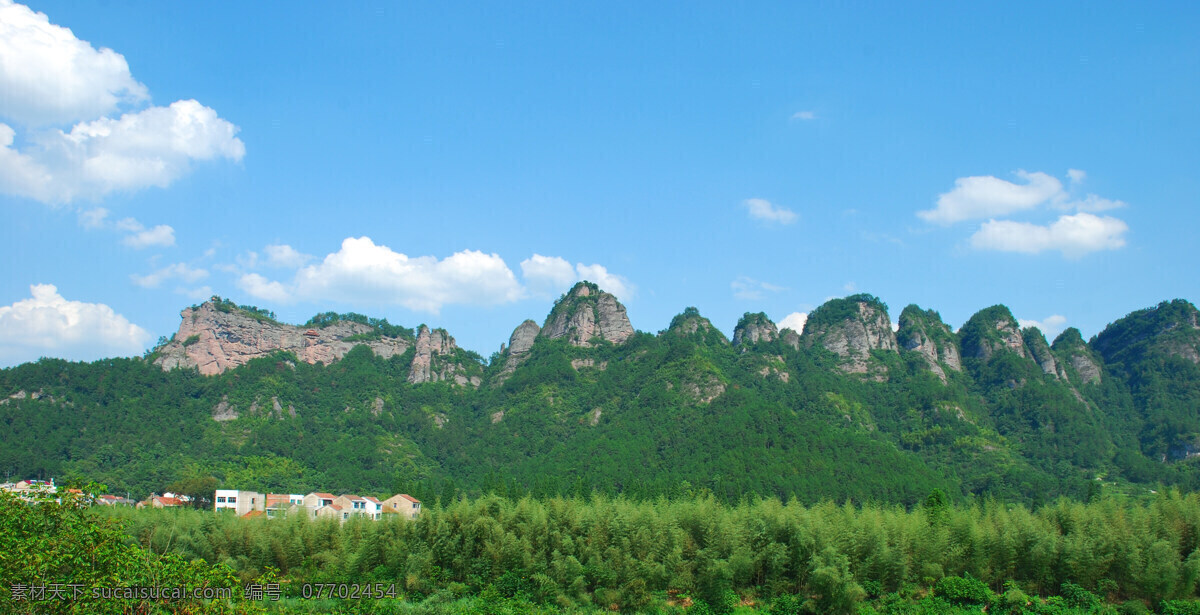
(656,415)
(521,555)
(55,555)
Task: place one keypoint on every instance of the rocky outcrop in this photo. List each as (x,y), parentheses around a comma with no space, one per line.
(438,359)
(1040,352)
(690,324)
(851,328)
(790,338)
(923,331)
(214,337)
(587,315)
(1075,353)
(519,345)
(990,331)
(1172,328)
(754,328)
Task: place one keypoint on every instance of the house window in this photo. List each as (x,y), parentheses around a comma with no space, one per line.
(232,500)
(345,515)
(220,499)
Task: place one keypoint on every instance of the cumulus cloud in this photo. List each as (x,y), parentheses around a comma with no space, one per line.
(46,324)
(1050,326)
(804,115)
(49,79)
(364,272)
(177,271)
(794,321)
(761,209)
(749,288)
(1073,235)
(610,282)
(283,255)
(551,275)
(49,76)
(987,196)
(258,286)
(160,236)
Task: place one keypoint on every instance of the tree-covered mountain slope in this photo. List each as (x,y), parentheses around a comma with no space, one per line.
(846,409)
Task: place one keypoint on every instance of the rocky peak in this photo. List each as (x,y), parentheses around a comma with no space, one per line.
(1040,352)
(519,344)
(587,314)
(754,328)
(1172,328)
(851,328)
(218,335)
(1074,352)
(923,331)
(990,331)
(437,359)
(691,324)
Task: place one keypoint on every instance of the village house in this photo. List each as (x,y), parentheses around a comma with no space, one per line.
(403,504)
(241,502)
(160,501)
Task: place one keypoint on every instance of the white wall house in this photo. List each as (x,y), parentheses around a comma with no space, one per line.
(240,502)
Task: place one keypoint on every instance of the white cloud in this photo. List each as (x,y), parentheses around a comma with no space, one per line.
(49,325)
(262,288)
(794,321)
(761,209)
(153,147)
(177,271)
(804,115)
(610,282)
(1074,236)
(137,235)
(49,76)
(1090,202)
(93,218)
(547,275)
(161,235)
(283,255)
(1076,176)
(1051,326)
(749,288)
(987,196)
(363,272)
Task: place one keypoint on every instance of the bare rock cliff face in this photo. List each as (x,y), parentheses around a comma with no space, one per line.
(923,331)
(1041,354)
(586,314)
(519,344)
(1074,352)
(754,328)
(990,331)
(214,340)
(436,359)
(851,328)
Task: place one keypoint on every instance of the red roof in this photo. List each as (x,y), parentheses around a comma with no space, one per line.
(410,498)
(325,496)
(371,499)
(351,497)
(170,501)
(253,513)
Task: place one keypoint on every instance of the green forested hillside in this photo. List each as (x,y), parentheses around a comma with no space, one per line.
(684,411)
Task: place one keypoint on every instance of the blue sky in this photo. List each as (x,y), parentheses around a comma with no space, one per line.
(462,166)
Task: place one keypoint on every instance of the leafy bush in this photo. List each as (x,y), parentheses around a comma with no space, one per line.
(963,590)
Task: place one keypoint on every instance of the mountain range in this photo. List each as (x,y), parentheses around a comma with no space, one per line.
(848,408)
